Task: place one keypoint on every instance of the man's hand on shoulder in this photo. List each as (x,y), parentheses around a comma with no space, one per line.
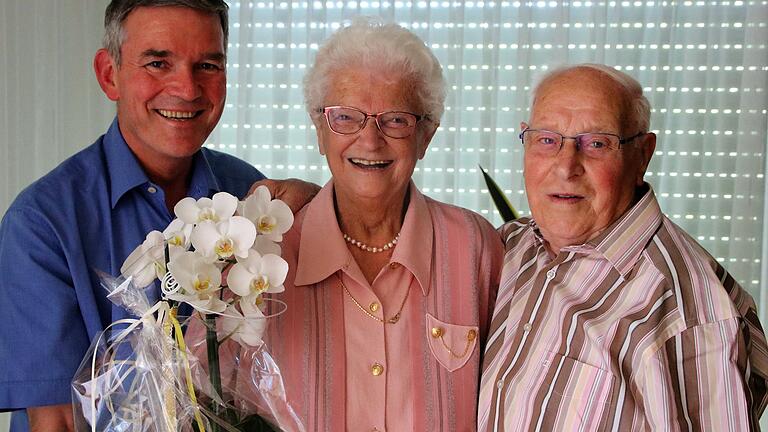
(294,192)
(51,418)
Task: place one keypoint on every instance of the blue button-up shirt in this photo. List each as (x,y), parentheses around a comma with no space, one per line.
(89,213)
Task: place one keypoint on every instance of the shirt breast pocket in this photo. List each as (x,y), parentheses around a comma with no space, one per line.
(452,345)
(581,394)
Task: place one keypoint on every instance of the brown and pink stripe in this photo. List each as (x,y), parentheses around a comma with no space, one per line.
(638,329)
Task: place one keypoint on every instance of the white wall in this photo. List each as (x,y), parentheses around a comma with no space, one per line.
(48,93)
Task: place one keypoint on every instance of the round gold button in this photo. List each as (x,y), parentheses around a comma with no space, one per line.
(373,307)
(393,265)
(437,332)
(471,335)
(377,369)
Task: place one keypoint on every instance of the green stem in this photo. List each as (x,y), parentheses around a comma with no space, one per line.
(212,345)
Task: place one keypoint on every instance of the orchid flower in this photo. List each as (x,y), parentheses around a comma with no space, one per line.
(257,274)
(271,217)
(178,234)
(264,246)
(146,262)
(220,208)
(199,282)
(246,328)
(224,240)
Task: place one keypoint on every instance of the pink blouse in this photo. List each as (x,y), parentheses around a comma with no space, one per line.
(345,370)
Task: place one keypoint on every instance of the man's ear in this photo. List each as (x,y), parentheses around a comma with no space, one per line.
(647,148)
(106,74)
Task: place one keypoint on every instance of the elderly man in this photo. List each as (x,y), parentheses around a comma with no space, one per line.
(610,317)
(163,63)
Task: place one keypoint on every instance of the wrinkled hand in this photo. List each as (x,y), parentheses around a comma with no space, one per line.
(294,192)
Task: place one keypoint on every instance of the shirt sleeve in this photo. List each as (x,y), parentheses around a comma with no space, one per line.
(42,332)
(698,381)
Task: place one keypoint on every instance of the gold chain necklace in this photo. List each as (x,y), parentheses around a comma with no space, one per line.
(395,318)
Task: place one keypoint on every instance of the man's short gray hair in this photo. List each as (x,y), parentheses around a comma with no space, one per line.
(388,49)
(637,109)
(118,11)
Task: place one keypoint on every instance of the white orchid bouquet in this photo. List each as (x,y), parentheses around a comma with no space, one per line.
(220,256)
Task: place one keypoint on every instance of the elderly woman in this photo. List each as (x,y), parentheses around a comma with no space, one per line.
(389,293)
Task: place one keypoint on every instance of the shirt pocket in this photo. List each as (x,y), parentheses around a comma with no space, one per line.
(585,396)
(452,345)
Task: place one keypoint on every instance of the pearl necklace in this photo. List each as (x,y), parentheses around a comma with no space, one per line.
(373,249)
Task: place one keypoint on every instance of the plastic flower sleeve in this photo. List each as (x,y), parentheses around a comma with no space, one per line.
(252,382)
(151,373)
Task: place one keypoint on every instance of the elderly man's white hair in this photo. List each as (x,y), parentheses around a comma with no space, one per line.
(393,50)
(637,110)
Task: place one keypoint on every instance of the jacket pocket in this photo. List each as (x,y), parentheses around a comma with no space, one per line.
(451,344)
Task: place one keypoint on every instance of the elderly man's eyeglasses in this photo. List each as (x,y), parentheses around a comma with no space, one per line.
(348,121)
(595,145)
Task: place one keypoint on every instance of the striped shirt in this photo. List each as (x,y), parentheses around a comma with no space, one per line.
(637,329)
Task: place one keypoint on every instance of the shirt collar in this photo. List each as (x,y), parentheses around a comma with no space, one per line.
(323,251)
(123,168)
(415,249)
(125,171)
(623,242)
(203,181)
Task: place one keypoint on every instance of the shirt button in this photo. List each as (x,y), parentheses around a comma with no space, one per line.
(551,274)
(151,189)
(527,327)
(393,265)
(500,384)
(377,369)
(373,307)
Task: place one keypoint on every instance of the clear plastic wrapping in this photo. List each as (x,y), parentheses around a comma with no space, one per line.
(144,375)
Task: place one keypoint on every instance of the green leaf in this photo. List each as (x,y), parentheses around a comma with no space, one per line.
(507,212)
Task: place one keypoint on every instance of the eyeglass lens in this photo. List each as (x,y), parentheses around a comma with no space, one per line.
(394,124)
(591,144)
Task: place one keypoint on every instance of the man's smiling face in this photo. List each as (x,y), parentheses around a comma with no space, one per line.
(170,86)
(574,197)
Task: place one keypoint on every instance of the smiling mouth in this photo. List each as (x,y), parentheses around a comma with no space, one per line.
(178,115)
(369,164)
(566,197)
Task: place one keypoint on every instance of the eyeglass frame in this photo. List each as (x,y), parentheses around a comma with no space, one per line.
(621,142)
(375,117)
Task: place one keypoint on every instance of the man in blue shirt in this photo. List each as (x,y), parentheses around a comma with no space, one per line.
(164,66)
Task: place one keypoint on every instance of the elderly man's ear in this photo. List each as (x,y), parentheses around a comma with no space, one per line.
(646,147)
